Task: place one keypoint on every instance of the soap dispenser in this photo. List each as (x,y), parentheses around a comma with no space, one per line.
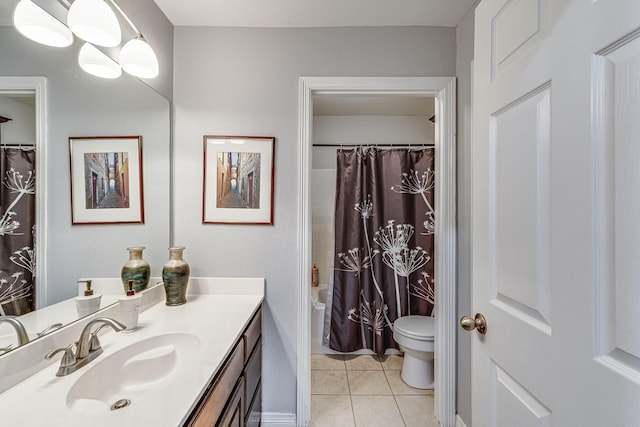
(130,307)
(90,302)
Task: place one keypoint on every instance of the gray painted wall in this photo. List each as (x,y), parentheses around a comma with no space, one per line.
(464,57)
(22,127)
(241,81)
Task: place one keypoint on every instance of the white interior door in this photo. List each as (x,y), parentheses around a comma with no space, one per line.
(556,213)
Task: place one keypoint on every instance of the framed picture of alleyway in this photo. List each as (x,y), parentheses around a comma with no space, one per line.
(106,179)
(238,180)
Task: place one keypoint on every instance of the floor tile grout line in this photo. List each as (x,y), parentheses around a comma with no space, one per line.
(395,400)
(393,394)
(386,376)
(353,409)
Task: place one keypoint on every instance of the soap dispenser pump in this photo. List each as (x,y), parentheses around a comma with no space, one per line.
(88,292)
(90,302)
(130,291)
(130,307)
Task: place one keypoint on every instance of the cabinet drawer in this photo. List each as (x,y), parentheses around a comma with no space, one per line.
(252,334)
(219,393)
(253,371)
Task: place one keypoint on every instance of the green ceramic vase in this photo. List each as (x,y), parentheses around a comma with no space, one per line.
(175,275)
(136,269)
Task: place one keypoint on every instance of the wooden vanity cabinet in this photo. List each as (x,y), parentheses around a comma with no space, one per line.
(233,398)
(233,416)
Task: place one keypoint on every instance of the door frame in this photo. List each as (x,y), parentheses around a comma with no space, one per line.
(36,86)
(443,89)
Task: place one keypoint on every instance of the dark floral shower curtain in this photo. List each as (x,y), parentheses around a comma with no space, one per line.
(384,226)
(17,223)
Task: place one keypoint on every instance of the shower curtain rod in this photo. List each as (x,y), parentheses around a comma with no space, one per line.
(374,145)
(17,145)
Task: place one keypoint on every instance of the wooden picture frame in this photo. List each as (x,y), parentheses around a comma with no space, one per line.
(238,179)
(106,180)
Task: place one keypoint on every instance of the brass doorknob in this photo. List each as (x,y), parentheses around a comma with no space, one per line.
(479,323)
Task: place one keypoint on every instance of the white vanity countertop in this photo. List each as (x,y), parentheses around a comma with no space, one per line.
(216,320)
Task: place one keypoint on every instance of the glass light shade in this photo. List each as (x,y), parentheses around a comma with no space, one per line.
(97,63)
(138,59)
(36,24)
(94,21)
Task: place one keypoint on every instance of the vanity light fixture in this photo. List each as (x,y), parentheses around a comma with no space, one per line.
(94,21)
(95,62)
(36,24)
(138,59)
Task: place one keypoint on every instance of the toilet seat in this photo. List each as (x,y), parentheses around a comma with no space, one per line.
(421,328)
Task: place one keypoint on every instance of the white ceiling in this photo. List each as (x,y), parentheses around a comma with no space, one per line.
(302,13)
(314,13)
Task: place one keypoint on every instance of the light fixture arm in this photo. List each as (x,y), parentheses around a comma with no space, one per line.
(126,18)
(67,5)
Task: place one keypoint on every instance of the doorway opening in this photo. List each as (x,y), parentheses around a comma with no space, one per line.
(443,91)
(34,89)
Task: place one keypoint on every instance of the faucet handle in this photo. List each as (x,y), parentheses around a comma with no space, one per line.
(94,342)
(49,329)
(68,359)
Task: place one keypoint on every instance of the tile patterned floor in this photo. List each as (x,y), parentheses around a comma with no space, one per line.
(358,391)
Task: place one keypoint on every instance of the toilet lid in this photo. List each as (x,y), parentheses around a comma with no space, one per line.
(416,327)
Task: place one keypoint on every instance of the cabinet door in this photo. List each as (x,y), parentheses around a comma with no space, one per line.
(224,386)
(233,415)
(252,374)
(254,410)
(252,334)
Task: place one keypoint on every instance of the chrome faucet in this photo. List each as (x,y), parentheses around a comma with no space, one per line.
(87,347)
(23,338)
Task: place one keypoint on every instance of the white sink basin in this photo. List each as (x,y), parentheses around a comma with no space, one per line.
(131,372)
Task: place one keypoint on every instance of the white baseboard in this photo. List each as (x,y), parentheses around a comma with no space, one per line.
(459,422)
(283,419)
(278,419)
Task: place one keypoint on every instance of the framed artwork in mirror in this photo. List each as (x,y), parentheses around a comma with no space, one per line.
(106,179)
(238,180)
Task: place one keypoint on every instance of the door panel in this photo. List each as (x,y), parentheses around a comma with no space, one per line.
(516,26)
(514,405)
(519,208)
(616,85)
(556,208)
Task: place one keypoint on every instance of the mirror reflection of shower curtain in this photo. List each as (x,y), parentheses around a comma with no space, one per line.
(383,262)
(17,230)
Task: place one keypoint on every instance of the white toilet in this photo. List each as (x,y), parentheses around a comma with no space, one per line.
(414,335)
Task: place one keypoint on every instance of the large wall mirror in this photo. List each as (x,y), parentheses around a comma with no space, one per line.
(79,105)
